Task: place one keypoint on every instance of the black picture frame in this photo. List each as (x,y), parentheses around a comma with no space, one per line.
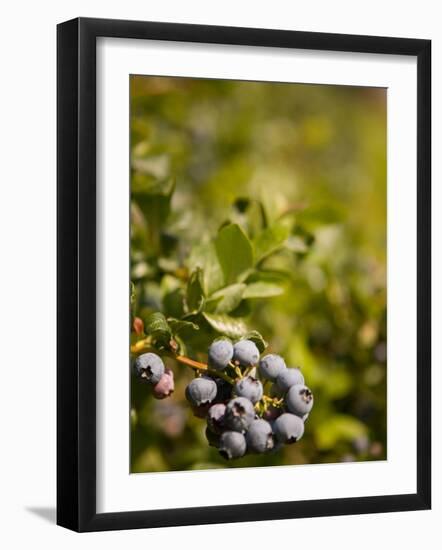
(76,273)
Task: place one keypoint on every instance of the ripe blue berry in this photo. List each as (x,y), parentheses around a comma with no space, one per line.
(299,400)
(220,354)
(288,378)
(201,391)
(245,353)
(232,445)
(288,428)
(215,417)
(259,436)
(271,366)
(239,414)
(149,367)
(250,388)
(165,386)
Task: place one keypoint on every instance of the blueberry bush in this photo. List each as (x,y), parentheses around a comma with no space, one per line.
(257,274)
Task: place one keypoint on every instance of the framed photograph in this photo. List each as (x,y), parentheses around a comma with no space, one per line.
(243,274)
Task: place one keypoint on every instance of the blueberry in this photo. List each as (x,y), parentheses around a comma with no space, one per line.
(250,388)
(149,367)
(213,439)
(239,414)
(245,353)
(215,417)
(288,428)
(165,386)
(288,378)
(201,391)
(232,445)
(220,354)
(259,436)
(271,366)
(299,400)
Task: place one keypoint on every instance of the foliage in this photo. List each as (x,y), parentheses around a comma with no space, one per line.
(258,210)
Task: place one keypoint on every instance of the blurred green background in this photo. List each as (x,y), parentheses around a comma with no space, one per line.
(207,152)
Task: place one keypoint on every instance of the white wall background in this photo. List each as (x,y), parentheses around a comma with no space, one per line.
(27,289)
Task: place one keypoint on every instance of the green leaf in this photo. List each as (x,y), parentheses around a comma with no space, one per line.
(270,240)
(156,326)
(195,291)
(262,290)
(234,251)
(297,244)
(256,337)
(337,428)
(178,325)
(204,256)
(228,298)
(228,326)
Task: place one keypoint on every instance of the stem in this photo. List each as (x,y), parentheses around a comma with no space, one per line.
(196,365)
(249,370)
(273,401)
(141,345)
(191,363)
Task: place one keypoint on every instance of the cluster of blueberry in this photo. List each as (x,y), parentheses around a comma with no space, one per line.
(251,405)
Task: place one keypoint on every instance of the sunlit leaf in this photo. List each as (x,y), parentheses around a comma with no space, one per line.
(270,240)
(204,256)
(228,326)
(262,290)
(228,298)
(234,251)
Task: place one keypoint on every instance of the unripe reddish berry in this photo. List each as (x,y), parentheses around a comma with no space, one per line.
(165,386)
(138,325)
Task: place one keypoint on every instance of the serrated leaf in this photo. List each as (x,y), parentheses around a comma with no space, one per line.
(256,337)
(195,291)
(269,240)
(262,290)
(228,326)
(338,428)
(234,251)
(157,326)
(178,325)
(228,298)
